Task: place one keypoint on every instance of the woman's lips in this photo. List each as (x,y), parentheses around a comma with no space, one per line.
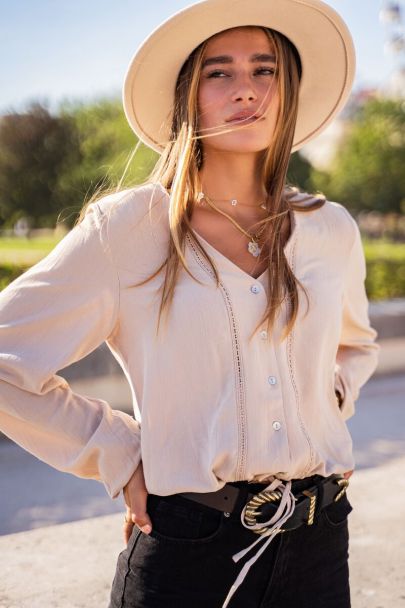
(245,120)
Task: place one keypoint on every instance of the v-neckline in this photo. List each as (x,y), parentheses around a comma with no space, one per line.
(226,260)
(234,266)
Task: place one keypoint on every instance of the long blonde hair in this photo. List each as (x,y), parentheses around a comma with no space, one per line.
(177,171)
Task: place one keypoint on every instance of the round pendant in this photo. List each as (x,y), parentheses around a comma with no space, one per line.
(254,249)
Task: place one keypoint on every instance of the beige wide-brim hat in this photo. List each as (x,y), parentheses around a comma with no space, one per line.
(320,35)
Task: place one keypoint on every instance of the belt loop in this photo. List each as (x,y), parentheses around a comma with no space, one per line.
(319,502)
(242,499)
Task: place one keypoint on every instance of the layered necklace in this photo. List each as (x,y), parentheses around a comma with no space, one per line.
(253,246)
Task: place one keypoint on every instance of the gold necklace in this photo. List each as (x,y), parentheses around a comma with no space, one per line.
(233,201)
(253,245)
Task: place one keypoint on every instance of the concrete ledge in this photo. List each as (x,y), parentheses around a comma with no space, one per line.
(392,357)
(388,318)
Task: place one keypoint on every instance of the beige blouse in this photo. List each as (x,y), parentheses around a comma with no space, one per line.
(209,406)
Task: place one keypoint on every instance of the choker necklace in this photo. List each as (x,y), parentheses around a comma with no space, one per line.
(233,201)
(253,245)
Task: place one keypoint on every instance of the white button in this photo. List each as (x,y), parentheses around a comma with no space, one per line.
(255,289)
(276,425)
(272,379)
(263,334)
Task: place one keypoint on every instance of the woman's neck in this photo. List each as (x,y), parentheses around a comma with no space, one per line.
(225,177)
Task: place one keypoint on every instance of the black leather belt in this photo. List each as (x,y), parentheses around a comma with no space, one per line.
(308,501)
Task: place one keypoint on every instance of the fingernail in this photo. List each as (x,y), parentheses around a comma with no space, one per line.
(146,528)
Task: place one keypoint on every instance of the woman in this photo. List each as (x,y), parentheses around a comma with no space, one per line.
(235,469)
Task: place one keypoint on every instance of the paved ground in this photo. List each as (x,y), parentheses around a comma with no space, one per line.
(83,553)
(377,553)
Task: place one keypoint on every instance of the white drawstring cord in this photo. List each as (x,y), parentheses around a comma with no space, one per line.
(284,511)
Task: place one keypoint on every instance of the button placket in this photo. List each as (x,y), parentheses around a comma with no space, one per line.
(272,381)
(274,397)
(276,424)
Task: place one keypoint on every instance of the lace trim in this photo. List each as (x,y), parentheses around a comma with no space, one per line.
(290,342)
(240,385)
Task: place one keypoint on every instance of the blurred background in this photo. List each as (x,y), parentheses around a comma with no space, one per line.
(63,135)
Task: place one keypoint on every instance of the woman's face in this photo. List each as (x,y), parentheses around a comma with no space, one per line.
(238,90)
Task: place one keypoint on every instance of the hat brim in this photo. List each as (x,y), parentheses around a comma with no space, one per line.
(320,35)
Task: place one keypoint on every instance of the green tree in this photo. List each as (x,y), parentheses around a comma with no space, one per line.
(105,143)
(35,148)
(368,169)
(300,173)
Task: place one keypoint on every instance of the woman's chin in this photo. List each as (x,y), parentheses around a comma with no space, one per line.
(239,145)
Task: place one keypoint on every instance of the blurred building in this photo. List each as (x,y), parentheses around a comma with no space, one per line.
(392,17)
(321,151)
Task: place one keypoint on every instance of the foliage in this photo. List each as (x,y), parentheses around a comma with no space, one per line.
(368,169)
(50,164)
(35,148)
(385,268)
(300,173)
(9,272)
(105,143)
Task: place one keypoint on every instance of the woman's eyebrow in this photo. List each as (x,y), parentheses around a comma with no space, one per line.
(256,58)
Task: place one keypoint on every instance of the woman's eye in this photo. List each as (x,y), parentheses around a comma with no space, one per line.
(266,71)
(216,74)
(259,71)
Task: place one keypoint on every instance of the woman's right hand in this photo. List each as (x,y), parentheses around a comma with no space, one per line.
(135,496)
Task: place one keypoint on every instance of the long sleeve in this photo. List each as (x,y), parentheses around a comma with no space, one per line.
(357,355)
(54,314)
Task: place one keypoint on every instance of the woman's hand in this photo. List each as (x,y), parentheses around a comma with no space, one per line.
(135,496)
(348,474)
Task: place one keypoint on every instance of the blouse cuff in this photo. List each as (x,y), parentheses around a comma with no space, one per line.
(117,465)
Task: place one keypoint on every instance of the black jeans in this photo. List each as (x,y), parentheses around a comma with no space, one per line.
(186,561)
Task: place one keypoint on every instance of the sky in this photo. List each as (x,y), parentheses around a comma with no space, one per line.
(57,50)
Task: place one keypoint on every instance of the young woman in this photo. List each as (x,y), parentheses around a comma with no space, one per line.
(237,309)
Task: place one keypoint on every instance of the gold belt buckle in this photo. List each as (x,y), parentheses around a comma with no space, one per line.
(252,509)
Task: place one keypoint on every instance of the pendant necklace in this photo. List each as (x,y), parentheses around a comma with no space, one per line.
(253,246)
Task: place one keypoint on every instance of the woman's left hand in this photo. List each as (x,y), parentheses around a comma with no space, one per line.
(348,474)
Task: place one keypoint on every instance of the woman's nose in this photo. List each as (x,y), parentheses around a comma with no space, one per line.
(244,91)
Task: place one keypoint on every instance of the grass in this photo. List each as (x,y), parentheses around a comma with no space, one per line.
(25,252)
(382,249)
